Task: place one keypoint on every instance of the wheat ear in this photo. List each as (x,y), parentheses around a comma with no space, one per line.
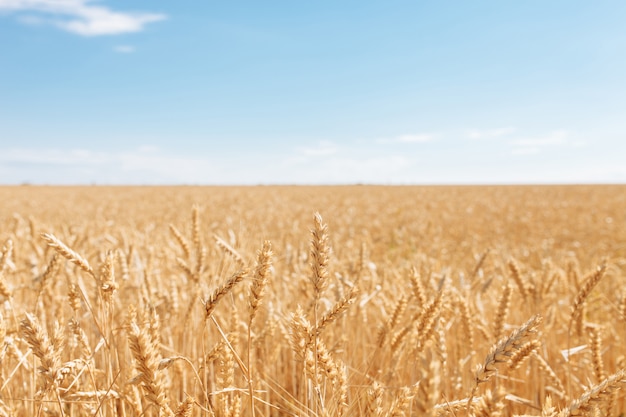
(524,352)
(5,254)
(336,311)
(502,311)
(595,396)
(320,255)
(374,400)
(621,306)
(417,286)
(595,340)
(144,350)
(523,286)
(42,347)
(426,322)
(232,252)
(319,259)
(466,319)
(81,338)
(63,250)
(479,264)
(257,290)
(182,242)
(108,286)
(211,302)
(502,352)
(260,279)
(576,315)
(4,259)
(51,270)
(584,292)
(195,232)
(401,403)
(392,321)
(490,404)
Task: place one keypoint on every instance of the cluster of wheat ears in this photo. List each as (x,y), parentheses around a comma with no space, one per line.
(120,312)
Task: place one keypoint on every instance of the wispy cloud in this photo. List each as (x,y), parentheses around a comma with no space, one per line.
(533,145)
(525,150)
(81,17)
(323,148)
(124,49)
(345,169)
(145,165)
(408,138)
(151,165)
(558,137)
(321,163)
(489,133)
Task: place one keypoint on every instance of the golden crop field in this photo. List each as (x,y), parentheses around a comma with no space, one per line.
(241,301)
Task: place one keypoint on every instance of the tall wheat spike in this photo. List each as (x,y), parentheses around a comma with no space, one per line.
(211,301)
(145,353)
(63,250)
(585,290)
(502,352)
(595,396)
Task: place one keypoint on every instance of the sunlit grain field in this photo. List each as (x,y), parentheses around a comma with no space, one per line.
(242,301)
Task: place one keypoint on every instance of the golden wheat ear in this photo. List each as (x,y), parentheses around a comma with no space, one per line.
(63,250)
(144,347)
(260,278)
(502,352)
(210,303)
(584,292)
(319,255)
(596,396)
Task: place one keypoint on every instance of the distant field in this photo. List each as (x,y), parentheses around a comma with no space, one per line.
(240,301)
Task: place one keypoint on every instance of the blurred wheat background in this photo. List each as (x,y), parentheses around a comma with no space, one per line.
(313,301)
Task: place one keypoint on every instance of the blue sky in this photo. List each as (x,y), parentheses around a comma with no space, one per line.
(248,92)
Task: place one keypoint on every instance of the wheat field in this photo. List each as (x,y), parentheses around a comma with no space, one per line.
(313,301)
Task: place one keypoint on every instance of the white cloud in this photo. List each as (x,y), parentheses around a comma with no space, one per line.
(149,165)
(345,169)
(414,138)
(81,17)
(148,149)
(528,150)
(558,137)
(326,163)
(324,148)
(51,156)
(535,145)
(124,49)
(408,138)
(146,165)
(30,20)
(490,133)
